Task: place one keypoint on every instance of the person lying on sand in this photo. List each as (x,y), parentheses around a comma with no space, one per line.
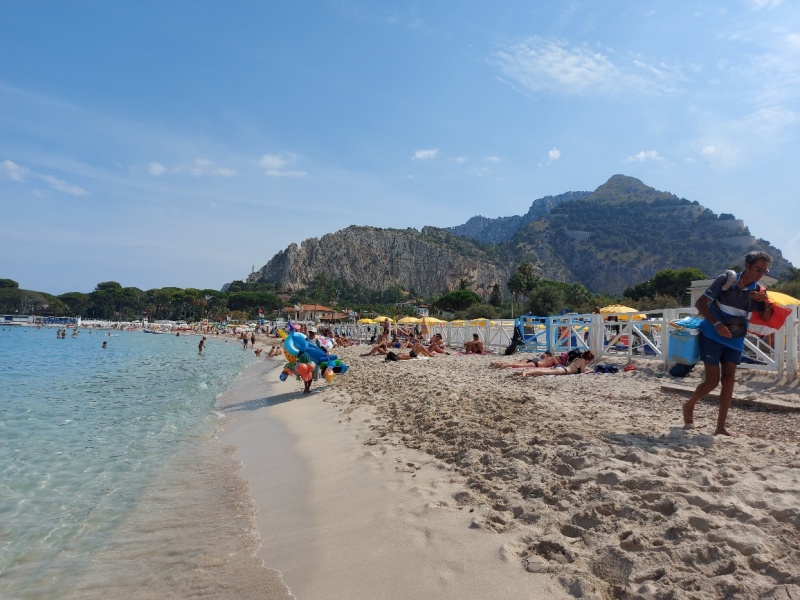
(576,367)
(475,346)
(544,361)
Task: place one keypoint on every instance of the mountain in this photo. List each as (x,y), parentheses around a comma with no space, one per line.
(617,236)
(496,231)
(430,260)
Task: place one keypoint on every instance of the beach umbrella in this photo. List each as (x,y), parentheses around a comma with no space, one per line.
(783,299)
(381,319)
(366,321)
(430,320)
(408,321)
(458,322)
(618,308)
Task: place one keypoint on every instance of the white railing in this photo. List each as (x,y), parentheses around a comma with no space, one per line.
(606,338)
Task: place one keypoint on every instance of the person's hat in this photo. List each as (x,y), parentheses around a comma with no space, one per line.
(312,330)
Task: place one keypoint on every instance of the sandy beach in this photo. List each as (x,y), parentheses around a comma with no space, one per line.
(445,478)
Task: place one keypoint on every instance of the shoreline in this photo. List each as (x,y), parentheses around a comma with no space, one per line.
(465,482)
(339,519)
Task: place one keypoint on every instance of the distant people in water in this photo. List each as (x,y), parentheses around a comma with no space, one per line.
(201,345)
(105,345)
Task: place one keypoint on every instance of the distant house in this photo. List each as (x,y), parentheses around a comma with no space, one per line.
(314,312)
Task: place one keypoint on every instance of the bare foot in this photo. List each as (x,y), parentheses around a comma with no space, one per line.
(688,415)
(723,431)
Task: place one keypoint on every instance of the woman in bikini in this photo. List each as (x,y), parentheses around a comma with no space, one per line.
(576,367)
(380,348)
(544,361)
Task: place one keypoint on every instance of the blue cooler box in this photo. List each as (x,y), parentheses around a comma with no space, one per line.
(684,346)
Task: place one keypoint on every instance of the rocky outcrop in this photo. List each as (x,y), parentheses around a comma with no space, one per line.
(382,258)
(502,229)
(607,240)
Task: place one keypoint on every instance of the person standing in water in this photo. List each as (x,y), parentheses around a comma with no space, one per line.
(201,345)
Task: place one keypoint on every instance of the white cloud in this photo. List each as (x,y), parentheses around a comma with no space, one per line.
(274,165)
(62,186)
(155,169)
(493,159)
(759,4)
(11,170)
(196,168)
(645,155)
(425,154)
(554,154)
(552,65)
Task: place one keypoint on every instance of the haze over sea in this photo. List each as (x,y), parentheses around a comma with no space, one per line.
(111,475)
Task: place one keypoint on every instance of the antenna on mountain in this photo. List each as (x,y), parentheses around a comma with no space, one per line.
(253,269)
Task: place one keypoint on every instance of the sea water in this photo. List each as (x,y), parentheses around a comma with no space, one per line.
(112,481)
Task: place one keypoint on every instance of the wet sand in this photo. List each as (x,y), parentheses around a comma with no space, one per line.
(445,478)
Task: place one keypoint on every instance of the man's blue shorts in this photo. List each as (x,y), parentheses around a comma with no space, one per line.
(713,353)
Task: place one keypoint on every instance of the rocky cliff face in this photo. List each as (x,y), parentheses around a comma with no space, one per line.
(502,229)
(617,236)
(379,259)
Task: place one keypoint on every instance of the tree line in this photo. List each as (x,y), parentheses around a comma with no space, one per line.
(242,300)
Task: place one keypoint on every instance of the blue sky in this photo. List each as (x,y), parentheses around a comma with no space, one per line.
(180,143)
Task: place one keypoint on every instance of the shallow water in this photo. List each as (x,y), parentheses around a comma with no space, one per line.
(112,480)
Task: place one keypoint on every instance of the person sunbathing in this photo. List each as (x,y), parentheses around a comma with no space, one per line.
(576,367)
(380,348)
(417,349)
(544,361)
(475,346)
(437,344)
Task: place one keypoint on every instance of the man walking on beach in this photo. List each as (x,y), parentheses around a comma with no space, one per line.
(726,310)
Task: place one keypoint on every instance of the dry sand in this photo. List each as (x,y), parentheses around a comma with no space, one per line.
(444,478)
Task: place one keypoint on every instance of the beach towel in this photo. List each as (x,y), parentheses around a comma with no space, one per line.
(603,368)
(760,327)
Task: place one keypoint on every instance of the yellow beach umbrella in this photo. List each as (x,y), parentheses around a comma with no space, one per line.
(381,319)
(366,321)
(458,322)
(783,299)
(618,308)
(408,321)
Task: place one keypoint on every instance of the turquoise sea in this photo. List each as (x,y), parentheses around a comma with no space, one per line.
(111,475)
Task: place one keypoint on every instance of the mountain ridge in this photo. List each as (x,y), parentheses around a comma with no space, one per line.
(617,236)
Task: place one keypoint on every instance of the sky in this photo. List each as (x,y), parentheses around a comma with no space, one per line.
(185,143)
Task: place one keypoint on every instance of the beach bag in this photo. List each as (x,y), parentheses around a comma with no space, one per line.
(681,370)
(736,325)
(761,327)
